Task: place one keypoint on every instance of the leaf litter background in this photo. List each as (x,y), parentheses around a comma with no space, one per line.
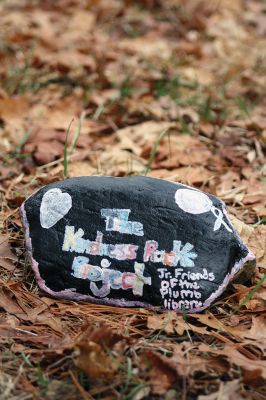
(126,71)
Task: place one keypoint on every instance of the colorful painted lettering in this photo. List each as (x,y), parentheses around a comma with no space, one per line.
(73,241)
(117,220)
(110,278)
(179,254)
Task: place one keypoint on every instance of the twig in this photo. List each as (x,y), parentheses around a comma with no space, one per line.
(84,394)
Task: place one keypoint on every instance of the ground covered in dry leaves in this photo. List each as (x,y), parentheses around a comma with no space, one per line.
(126,71)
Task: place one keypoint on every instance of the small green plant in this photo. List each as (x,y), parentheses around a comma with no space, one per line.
(128,370)
(84,380)
(243,106)
(133,393)
(153,152)
(18,77)
(77,133)
(260,222)
(24,139)
(65,160)
(169,87)
(26,360)
(250,294)
(205,109)
(184,126)
(99,111)
(184,313)
(125,89)
(40,376)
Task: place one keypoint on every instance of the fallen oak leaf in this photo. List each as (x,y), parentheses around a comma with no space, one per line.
(257,244)
(187,363)
(10,305)
(171,369)
(5,251)
(7,258)
(253,378)
(47,144)
(236,358)
(249,297)
(162,322)
(257,331)
(244,230)
(15,302)
(209,320)
(227,391)
(171,323)
(95,353)
(48,319)
(94,361)
(231,335)
(32,335)
(162,367)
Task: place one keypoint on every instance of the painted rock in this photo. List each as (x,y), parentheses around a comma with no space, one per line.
(133,241)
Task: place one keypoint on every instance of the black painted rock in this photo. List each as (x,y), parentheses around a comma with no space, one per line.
(133,241)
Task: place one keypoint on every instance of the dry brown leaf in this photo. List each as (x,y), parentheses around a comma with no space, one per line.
(236,358)
(227,391)
(184,150)
(164,322)
(257,332)
(148,47)
(257,244)
(95,361)
(244,230)
(48,319)
(9,304)
(163,372)
(212,322)
(7,258)
(57,389)
(93,353)
(136,136)
(192,175)
(13,107)
(166,370)
(171,322)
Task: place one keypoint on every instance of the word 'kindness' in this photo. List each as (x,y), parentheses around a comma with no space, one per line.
(74,242)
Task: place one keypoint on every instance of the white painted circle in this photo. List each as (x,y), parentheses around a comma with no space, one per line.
(192,201)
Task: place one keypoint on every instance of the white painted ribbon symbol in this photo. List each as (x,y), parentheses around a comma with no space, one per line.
(196,202)
(219,221)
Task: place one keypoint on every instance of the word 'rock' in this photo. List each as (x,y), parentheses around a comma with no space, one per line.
(133,241)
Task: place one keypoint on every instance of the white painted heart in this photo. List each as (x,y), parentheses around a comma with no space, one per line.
(55,205)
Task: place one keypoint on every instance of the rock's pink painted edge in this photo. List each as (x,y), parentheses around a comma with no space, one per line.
(71,294)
